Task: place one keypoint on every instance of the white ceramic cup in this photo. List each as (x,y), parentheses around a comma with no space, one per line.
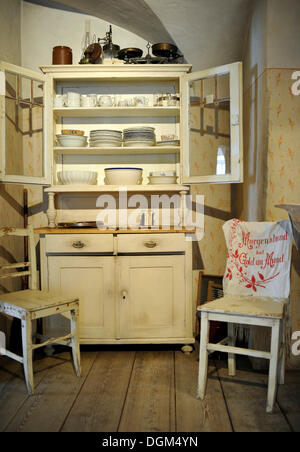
(59,101)
(106,101)
(73,100)
(88,100)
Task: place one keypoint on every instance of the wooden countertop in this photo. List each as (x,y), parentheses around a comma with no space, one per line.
(112,231)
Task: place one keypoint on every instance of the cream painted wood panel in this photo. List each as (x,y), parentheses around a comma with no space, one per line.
(151,297)
(92,279)
(144,243)
(79,243)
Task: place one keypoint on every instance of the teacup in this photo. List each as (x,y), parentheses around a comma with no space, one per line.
(106,101)
(88,100)
(141,101)
(73,99)
(59,101)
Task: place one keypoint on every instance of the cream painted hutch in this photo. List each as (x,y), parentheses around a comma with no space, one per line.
(135,285)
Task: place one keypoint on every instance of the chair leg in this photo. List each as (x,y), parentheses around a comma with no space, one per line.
(282,349)
(75,340)
(203,355)
(26,326)
(273,370)
(231,356)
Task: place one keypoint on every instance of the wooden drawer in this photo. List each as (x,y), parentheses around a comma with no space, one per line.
(151,243)
(79,243)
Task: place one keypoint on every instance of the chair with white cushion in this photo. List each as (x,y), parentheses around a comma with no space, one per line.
(32,304)
(256,289)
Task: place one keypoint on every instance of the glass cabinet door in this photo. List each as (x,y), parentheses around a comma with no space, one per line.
(212,140)
(23,157)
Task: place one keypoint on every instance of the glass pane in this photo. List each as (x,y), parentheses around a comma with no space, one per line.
(23,139)
(210,126)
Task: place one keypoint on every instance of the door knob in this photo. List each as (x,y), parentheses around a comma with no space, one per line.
(124,295)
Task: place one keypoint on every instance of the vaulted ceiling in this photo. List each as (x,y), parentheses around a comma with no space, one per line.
(207,32)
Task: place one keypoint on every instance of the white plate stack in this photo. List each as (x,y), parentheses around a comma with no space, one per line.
(139,137)
(106,138)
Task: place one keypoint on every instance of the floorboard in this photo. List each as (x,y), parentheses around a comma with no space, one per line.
(289,399)
(246,397)
(192,414)
(98,407)
(142,389)
(54,396)
(150,402)
(13,392)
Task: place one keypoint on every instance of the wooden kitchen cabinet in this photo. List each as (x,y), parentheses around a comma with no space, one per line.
(133,294)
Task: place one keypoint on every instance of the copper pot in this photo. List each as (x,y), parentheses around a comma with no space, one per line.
(62,55)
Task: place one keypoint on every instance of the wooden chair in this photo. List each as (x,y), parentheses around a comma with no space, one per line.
(32,304)
(245,310)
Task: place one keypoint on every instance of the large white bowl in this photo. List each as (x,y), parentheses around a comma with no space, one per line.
(123,176)
(72,140)
(77,177)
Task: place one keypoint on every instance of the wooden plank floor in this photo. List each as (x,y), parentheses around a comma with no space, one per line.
(142,389)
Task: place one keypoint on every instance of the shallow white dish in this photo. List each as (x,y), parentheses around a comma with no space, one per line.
(123,176)
(137,144)
(168,143)
(162,180)
(105,144)
(77,177)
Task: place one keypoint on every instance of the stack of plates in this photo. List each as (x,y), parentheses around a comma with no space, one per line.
(105,138)
(139,136)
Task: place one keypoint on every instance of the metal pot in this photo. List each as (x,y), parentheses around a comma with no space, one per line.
(164,50)
(130,52)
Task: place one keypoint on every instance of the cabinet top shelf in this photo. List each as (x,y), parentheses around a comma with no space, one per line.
(134,69)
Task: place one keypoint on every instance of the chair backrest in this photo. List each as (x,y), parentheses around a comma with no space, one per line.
(259,258)
(16,267)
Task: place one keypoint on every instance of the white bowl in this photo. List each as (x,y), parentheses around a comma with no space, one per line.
(162,180)
(123,176)
(71,140)
(77,177)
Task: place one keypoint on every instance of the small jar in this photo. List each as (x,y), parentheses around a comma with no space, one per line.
(62,55)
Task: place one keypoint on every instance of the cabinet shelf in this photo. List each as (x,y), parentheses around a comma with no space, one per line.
(115,112)
(116,188)
(117,150)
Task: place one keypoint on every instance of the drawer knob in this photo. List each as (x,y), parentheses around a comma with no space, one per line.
(150,244)
(78,244)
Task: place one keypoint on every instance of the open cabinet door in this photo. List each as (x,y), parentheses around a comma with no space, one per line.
(212,135)
(23,114)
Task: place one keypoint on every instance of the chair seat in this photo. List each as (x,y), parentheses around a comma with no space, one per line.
(34,300)
(246,305)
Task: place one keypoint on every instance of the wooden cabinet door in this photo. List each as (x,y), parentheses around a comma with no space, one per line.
(151,297)
(92,279)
